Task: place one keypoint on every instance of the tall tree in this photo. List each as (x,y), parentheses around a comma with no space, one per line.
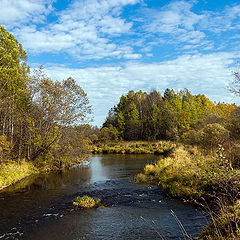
(14,97)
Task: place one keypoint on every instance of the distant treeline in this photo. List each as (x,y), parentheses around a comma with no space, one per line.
(39,117)
(151,116)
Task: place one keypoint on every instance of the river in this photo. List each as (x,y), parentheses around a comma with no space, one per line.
(41,207)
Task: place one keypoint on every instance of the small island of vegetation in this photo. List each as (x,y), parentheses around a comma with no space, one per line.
(86,202)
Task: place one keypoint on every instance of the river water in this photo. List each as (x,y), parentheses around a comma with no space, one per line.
(41,207)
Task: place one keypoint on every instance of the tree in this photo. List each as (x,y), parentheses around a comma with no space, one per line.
(169,94)
(14,96)
(13,66)
(236,83)
(58,105)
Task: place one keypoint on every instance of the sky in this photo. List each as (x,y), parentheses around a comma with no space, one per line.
(112,46)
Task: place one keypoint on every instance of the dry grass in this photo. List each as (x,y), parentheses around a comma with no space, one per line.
(225,224)
(12,172)
(183,174)
(134,147)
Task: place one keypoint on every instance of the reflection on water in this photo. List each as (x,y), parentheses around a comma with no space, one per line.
(41,208)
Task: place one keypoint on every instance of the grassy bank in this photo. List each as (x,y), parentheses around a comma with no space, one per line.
(134,147)
(189,175)
(12,172)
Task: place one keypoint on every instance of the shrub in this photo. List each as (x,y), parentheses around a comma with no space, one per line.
(85,202)
(212,135)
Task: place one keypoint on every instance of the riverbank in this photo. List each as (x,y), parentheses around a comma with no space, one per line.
(209,180)
(134,147)
(12,172)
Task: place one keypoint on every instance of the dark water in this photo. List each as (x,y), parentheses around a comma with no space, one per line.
(41,208)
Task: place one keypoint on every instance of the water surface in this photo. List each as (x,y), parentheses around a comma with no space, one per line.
(42,208)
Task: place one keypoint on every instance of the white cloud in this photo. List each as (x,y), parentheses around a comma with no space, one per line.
(225,20)
(206,74)
(16,12)
(85,30)
(173,17)
(176,23)
(132,56)
(97,29)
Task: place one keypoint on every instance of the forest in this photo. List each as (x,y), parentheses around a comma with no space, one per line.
(143,116)
(44,126)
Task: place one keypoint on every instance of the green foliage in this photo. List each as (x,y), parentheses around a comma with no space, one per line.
(12,63)
(132,114)
(142,116)
(37,114)
(108,134)
(4,144)
(86,202)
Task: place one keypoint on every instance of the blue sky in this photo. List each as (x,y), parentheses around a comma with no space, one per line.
(112,46)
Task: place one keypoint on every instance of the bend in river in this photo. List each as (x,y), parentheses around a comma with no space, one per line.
(43,209)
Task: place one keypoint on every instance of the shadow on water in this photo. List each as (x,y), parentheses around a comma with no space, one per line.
(42,208)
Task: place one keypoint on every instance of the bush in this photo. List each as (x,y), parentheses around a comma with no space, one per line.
(149,169)
(212,135)
(85,202)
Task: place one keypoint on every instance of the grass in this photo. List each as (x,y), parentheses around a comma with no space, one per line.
(181,175)
(134,147)
(225,224)
(189,175)
(85,202)
(12,172)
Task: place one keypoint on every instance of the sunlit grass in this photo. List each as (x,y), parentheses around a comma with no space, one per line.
(183,174)
(189,175)
(85,202)
(12,172)
(134,147)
